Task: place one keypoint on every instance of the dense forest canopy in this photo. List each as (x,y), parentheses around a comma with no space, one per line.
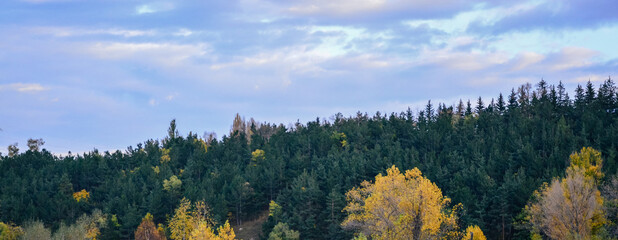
(490,155)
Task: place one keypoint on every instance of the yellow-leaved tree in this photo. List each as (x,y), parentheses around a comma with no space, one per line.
(82,195)
(474,233)
(400,206)
(258,155)
(588,161)
(182,223)
(195,223)
(226,232)
(172,185)
(165,155)
(10,231)
(571,207)
(203,232)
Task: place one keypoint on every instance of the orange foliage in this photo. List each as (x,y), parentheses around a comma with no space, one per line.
(81,195)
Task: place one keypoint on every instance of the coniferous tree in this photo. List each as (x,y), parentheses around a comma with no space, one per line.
(490,161)
(480,106)
(468,108)
(501,104)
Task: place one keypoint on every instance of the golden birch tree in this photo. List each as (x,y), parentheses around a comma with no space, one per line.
(182,223)
(399,206)
(474,233)
(194,222)
(204,231)
(571,207)
(225,232)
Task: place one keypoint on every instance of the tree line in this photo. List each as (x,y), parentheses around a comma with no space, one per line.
(497,162)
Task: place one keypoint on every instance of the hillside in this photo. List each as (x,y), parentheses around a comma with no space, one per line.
(489,154)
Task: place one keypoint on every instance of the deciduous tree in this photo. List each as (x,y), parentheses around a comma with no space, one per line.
(571,207)
(172,185)
(474,233)
(35,144)
(182,223)
(204,231)
(82,195)
(147,230)
(36,231)
(12,150)
(10,231)
(282,231)
(398,206)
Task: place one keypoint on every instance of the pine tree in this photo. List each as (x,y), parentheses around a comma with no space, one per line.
(563,96)
(480,106)
(501,104)
(589,95)
(468,108)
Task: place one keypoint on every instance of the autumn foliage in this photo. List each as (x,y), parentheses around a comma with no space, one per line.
(182,224)
(490,157)
(474,233)
(10,231)
(571,207)
(195,223)
(147,230)
(399,206)
(82,195)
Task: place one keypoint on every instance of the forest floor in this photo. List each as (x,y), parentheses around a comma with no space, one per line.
(251,230)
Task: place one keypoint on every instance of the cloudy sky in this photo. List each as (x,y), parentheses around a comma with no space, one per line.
(106,74)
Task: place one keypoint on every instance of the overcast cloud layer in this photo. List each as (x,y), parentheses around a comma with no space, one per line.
(106,74)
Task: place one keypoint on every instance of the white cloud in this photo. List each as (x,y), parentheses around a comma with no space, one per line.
(23,87)
(183,32)
(45,1)
(588,77)
(342,40)
(460,60)
(143,9)
(573,57)
(336,6)
(300,59)
(545,42)
(125,33)
(339,8)
(154,7)
(268,10)
(459,23)
(166,54)
(74,32)
(526,59)
(363,62)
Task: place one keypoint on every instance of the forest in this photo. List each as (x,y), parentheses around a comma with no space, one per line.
(535,163)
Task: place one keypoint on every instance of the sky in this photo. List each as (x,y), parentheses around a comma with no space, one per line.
(108,74)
